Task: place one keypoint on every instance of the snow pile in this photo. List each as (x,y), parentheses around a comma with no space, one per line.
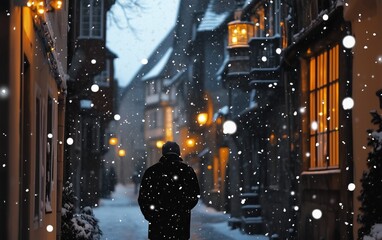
(82,226)
(375,233)
(85,225)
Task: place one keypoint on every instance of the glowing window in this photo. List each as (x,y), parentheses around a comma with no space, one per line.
(324,105)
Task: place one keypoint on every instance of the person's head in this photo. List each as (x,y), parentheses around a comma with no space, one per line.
(170,148)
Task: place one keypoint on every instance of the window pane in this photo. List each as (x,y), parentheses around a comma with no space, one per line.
(321,150)
(322,112)
(85,18)
(97,18)
(313,151)
(312,111)
(324,108)
(312,73)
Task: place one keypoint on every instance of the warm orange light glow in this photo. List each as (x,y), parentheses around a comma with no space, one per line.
(202,118)
(121,152)
(113,141)
(324,96)
(239,33)
(159,143)
(40,7)
(209,167)
(56,4)
(190,142)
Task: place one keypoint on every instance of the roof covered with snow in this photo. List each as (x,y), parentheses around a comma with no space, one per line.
(159,67)
(216,14)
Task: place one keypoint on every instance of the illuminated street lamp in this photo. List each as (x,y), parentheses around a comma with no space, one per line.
(113,141)
(159,143)
(190,142)
(202,118)
(121,152)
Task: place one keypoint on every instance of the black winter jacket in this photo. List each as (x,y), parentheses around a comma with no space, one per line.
(169,190)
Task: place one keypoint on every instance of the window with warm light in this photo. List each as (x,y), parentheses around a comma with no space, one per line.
(91,19)
(324,106)
(239,33)
(267,19)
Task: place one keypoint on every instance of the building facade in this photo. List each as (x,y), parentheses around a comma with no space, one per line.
(33,92)
(130,129)
(364,18)
(90,98)
(321,131)
(282,79)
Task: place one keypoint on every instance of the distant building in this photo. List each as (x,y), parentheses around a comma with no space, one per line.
(129,130)
(89,109)
(280,71)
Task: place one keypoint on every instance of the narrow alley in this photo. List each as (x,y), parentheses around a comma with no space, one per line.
(120,218)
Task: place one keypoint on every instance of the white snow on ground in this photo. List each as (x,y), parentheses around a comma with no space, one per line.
(120,218)
(222,226)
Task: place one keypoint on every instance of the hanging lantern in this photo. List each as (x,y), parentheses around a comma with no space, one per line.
(239,33)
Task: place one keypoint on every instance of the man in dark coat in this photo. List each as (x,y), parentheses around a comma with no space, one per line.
(169,190)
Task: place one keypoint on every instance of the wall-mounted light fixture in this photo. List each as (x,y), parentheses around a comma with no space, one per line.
(121,152)
(239,32)
(202,118)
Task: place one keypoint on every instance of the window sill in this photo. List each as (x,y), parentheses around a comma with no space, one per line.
(321,171)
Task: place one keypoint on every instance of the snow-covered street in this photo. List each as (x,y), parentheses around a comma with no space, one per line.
(120,218)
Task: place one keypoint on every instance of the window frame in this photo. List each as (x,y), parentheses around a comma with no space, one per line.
(267,19)
(103,79)
(89,29)
(323,86)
